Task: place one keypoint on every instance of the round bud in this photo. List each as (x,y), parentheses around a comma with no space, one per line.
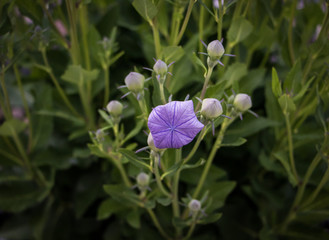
(211,108)
(242,102)
(194,205)
(143,179)
(215,50)
(150,142)
(135,82)
(114,108)
(160,68)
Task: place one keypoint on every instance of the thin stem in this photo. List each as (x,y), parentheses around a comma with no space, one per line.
(290,40)
(163,99)
(191,229)
(87,107)
(11,157)
(58,87)
(107,85)
(201,28)
(157,224)
(83,17)
(143,107)
(196,144)
(291,148)
(26,107)
(175,185)
(73,32)
(158,179)
(156,37)
(5,93)
(205,85)
(184,25)
(122,171)
(219,21)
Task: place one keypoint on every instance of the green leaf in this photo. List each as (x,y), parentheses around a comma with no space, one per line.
(198,61)
(234,73)
(132,157)
(239,30)
(233,143)
(61,114)
(195,165)
(135,131)
(283,158)
(77,75)
(12,127)
(292,83)
(172,53)
(287,104)
(106,117)
(303,90)
(253,80)
(210,218)
(218,192)
(164,201)
(178,222)
(171,170)
(133,218)
(276,86)
(145,8)
(122,194)
(108,207)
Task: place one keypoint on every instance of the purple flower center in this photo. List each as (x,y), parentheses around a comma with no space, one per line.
(174,124)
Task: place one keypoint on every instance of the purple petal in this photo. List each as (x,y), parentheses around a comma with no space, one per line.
(174,125)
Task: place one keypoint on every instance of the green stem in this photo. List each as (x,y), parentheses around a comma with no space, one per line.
(191,229)
(12,157)
(26,107)
(157,224)
(158,179)
(204,88)
(201,32)
(196,145)
(107,85)
(290,40)
(58,87)
(211,156)
(143,107)
(291,148)
(87,107)
(83,17)
(156,37)
(163,99)
(175,185)
(219,21)
(70,5)
(122,171)
(5,93)
(184,25)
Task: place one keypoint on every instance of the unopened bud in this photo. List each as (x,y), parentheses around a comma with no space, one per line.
(194,205)
(211,108)
(242,102)
(150,142)
(215,50)
(160,68)
(143,179)
(135,82)
(114,108)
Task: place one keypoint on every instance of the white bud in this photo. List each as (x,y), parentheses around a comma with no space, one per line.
(135,82)
(143,179)
(160,68)
(114,108)
(194,205)
(150,142)
(211,108)
(242,102)
(215,50)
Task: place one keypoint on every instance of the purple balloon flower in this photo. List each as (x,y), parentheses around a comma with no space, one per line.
(174,125)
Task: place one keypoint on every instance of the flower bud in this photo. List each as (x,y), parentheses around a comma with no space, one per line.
(135,82)
(114,108)
(143,179)
(150,142)
(160,68)
(211,108)
(194,205)
(242,102)
(215,50)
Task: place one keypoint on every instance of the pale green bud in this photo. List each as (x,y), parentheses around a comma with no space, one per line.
(215,50)
(194,205)
(211,108)
(242,102)
(114,108)
(143,179)
(150,142)
(160,68)
(135,82)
